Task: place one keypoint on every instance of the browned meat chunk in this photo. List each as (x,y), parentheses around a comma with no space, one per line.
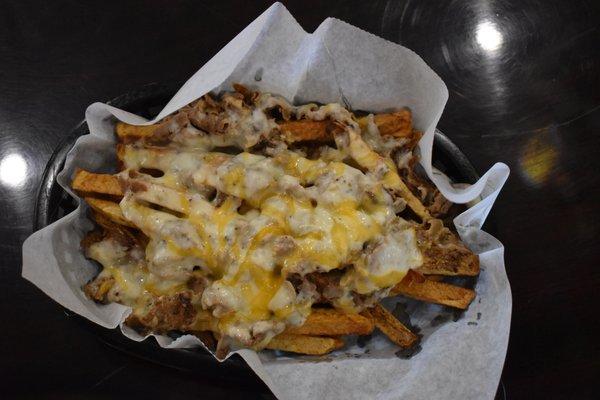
(167,313)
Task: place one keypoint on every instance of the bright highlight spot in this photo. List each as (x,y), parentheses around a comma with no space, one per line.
(13,170)
(488,36)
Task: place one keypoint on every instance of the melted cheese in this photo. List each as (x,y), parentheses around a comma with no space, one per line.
(300,216)
(133,284)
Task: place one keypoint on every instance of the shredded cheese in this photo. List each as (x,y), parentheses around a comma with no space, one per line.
(274,216)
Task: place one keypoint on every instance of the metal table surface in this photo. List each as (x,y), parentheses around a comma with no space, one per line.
(523,78)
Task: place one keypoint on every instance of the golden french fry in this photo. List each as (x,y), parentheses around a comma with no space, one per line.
(397,124)
(308,130)
(331,322)
(370,160)
(86,182)
(109,210)
(129,133)
(435,278)
(412,201)
(447,262)
(145,156)
(416,286)
(312,345)
(123,234)
(169,199)
(104,184)
(391,327)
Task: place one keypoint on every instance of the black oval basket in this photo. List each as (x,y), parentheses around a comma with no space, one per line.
(54,203)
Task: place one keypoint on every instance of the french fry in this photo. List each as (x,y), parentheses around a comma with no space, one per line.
(163,196)
(108,209)
(411,200)
(152,154)
(86,182)
(127,236)
(128,133)
(103,184)
(416,286)
(312,345)
(397,124)
(370,160)
(435,278)
(446,262)
(391,327)
(331,322)
(308,130)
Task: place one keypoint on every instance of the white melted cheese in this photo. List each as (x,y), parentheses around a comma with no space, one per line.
(133,283)
(281,215)
(387,263)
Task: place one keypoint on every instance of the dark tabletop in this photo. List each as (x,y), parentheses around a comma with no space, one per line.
(524,82)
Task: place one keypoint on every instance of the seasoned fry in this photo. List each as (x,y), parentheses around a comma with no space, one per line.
(293,131)
(128,133)
(127,236)
(103,184)
(108,209)
(312,345)
(159,195)
(418,287)
(86,182)
(434,278)
(372,161)
(412,201)
(391,327)
(331,322)
(307,130)
(397,124)
(450,263)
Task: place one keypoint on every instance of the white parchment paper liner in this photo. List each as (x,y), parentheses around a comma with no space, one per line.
(337,63)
